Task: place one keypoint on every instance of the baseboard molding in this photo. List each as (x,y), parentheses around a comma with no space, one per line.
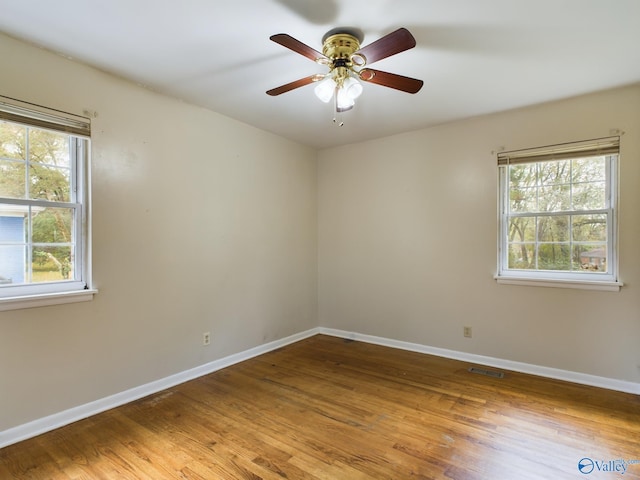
(57,420)
(566,375)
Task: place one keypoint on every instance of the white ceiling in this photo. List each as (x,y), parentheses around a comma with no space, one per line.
(475,56)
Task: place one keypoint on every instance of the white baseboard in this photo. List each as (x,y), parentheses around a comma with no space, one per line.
(57,420)
(566,375)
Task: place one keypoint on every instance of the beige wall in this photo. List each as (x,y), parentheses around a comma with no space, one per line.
(407,242)
(200,223)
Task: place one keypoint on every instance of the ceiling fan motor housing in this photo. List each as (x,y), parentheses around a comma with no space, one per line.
(340,45)
(339,48)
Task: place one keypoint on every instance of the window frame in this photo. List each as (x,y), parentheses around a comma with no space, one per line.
(608,147)
(79,289)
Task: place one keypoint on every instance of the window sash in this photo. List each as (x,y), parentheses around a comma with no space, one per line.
(570,242)
(76,242)
(78,280)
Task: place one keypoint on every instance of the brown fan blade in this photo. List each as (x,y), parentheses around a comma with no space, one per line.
(399,82)
(297,46)
(293,85)
(390,44)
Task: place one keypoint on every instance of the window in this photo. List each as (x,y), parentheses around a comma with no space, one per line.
(558,215)
(43,206)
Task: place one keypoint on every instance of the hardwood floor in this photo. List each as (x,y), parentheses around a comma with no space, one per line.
(326,408)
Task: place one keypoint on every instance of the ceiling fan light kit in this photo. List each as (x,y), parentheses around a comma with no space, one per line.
(342,54)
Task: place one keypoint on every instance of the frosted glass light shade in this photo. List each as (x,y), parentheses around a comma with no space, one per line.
(343,100)
(352,88)
(324,89)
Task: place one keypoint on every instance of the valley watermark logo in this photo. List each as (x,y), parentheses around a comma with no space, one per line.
(587,465)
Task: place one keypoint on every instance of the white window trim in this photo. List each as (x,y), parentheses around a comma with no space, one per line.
(56,293)
(46,299)
(584,281)
(557,283)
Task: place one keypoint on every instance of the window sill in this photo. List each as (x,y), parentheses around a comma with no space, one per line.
(46,299)
(577,284)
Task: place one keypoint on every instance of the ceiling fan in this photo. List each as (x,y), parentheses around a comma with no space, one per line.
(347,64)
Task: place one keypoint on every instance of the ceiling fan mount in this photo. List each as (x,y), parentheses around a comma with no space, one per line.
(343,55)
(352,31)
(340,46)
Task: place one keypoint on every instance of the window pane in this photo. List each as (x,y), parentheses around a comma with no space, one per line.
(12,140)
(554,256)
(49,172)
(591,257)
(589,228)
(13,256)
(49,148)
(555,173)
(53,242)
(522,229)
(12,244)
(589,196)
(523,200)
(522,256)
(555,198)
(525,175)
(52,225)
(50,183)
(12,179)
(589,169)
(553,229)
(51,264)
(12,264)
(12,173)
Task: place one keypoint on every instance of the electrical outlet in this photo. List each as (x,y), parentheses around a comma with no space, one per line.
(206,338)
(467,332)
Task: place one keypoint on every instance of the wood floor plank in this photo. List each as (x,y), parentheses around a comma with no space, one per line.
(326,408)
